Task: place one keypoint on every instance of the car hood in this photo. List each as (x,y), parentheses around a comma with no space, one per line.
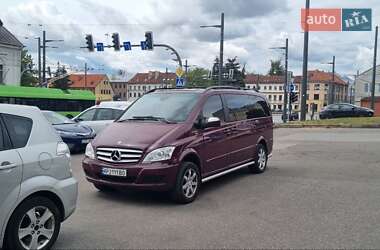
(74,128)
(139,135)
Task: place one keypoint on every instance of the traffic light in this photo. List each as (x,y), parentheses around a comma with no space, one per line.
(115,41)
(149,40)
(293,97)
(89,42)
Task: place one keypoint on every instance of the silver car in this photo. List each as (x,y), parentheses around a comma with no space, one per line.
(100,116)
(37,189)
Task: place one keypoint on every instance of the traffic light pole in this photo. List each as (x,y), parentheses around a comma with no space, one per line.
(39,60)
(221,50)
(284,110)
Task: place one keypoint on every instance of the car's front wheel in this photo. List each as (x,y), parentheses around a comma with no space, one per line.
(187,184)
(35,224)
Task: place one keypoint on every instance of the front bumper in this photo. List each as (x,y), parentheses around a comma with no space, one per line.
(77,142)
(158,176)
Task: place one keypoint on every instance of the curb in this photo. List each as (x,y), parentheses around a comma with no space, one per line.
(325,126)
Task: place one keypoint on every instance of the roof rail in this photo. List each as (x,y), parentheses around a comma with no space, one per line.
(222,87)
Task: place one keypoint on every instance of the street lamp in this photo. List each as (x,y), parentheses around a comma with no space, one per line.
(331,94)
(284,111)
(44,41)
(221,26)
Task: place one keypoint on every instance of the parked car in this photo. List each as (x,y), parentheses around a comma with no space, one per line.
(344,110)
(37,188)
(100,116)
(176,139)
(75,135)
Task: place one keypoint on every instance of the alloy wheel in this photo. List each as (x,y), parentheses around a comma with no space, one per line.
(36,228)
(262,159)
(189,183)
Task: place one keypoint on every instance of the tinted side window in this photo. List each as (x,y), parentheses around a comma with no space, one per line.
(238,107)
(18,128)
(88,115)
(2,142)
(213,108)
(345,107)
(104,114)
(259,108)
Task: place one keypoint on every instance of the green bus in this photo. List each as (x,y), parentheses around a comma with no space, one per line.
(63,101)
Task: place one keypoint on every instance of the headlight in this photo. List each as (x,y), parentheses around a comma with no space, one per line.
(90,153)
(160,154)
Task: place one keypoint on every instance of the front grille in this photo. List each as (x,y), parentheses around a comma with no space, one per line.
(119,155)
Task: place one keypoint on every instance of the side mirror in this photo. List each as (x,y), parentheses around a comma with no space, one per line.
(212,122)
(77,119)
(70,116)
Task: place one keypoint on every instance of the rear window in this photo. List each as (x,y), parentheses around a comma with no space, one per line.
(18,128)
(104,114)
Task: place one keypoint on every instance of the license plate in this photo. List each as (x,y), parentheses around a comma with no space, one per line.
(85,141)
(114,172)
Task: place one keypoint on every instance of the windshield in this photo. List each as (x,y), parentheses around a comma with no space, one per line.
(168,107)
(55,118)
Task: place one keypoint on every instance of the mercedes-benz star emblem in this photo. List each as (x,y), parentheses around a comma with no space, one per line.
(116,155)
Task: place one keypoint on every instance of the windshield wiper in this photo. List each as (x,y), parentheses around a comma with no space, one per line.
(148,118)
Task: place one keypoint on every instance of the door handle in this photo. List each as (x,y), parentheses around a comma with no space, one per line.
(6,165)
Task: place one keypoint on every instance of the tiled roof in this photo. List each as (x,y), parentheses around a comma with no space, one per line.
(153,77)
(93,80)
(8,38)
(253,79)
(317,76)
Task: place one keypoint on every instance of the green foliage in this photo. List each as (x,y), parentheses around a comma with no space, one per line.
(28,73)
(198,77)
(276,69)
(238,74)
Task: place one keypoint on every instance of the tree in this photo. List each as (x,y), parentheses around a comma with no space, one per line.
(62,81)
(236,75)
(27,72)
(276,69)
(198,77)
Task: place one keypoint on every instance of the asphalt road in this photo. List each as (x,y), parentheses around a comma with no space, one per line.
(321,190)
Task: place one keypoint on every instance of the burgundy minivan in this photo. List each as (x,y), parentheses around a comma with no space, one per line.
(175,139)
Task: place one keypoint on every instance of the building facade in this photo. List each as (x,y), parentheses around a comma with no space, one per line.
(120,89)
(363,85)
(319,86)
(144,82)
(10,57)
(272,88)
(99,84)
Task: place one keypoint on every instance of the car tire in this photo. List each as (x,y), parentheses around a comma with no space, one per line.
(261,160)
(187,184)
(103,188)
(370,114)
(35,221)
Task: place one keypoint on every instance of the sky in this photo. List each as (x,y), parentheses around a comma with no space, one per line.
(251,28)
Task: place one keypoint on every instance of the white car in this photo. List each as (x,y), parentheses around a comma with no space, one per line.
(99,116)
(37,188)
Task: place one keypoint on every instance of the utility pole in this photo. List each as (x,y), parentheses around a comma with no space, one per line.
(221,48)
(304,67)
(333,81)
(374,71)
(85,75)
(43,56)
(284,113)
(186,67)
(39,60)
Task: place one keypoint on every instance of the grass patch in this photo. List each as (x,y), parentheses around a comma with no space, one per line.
(338,122)
(71,113)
